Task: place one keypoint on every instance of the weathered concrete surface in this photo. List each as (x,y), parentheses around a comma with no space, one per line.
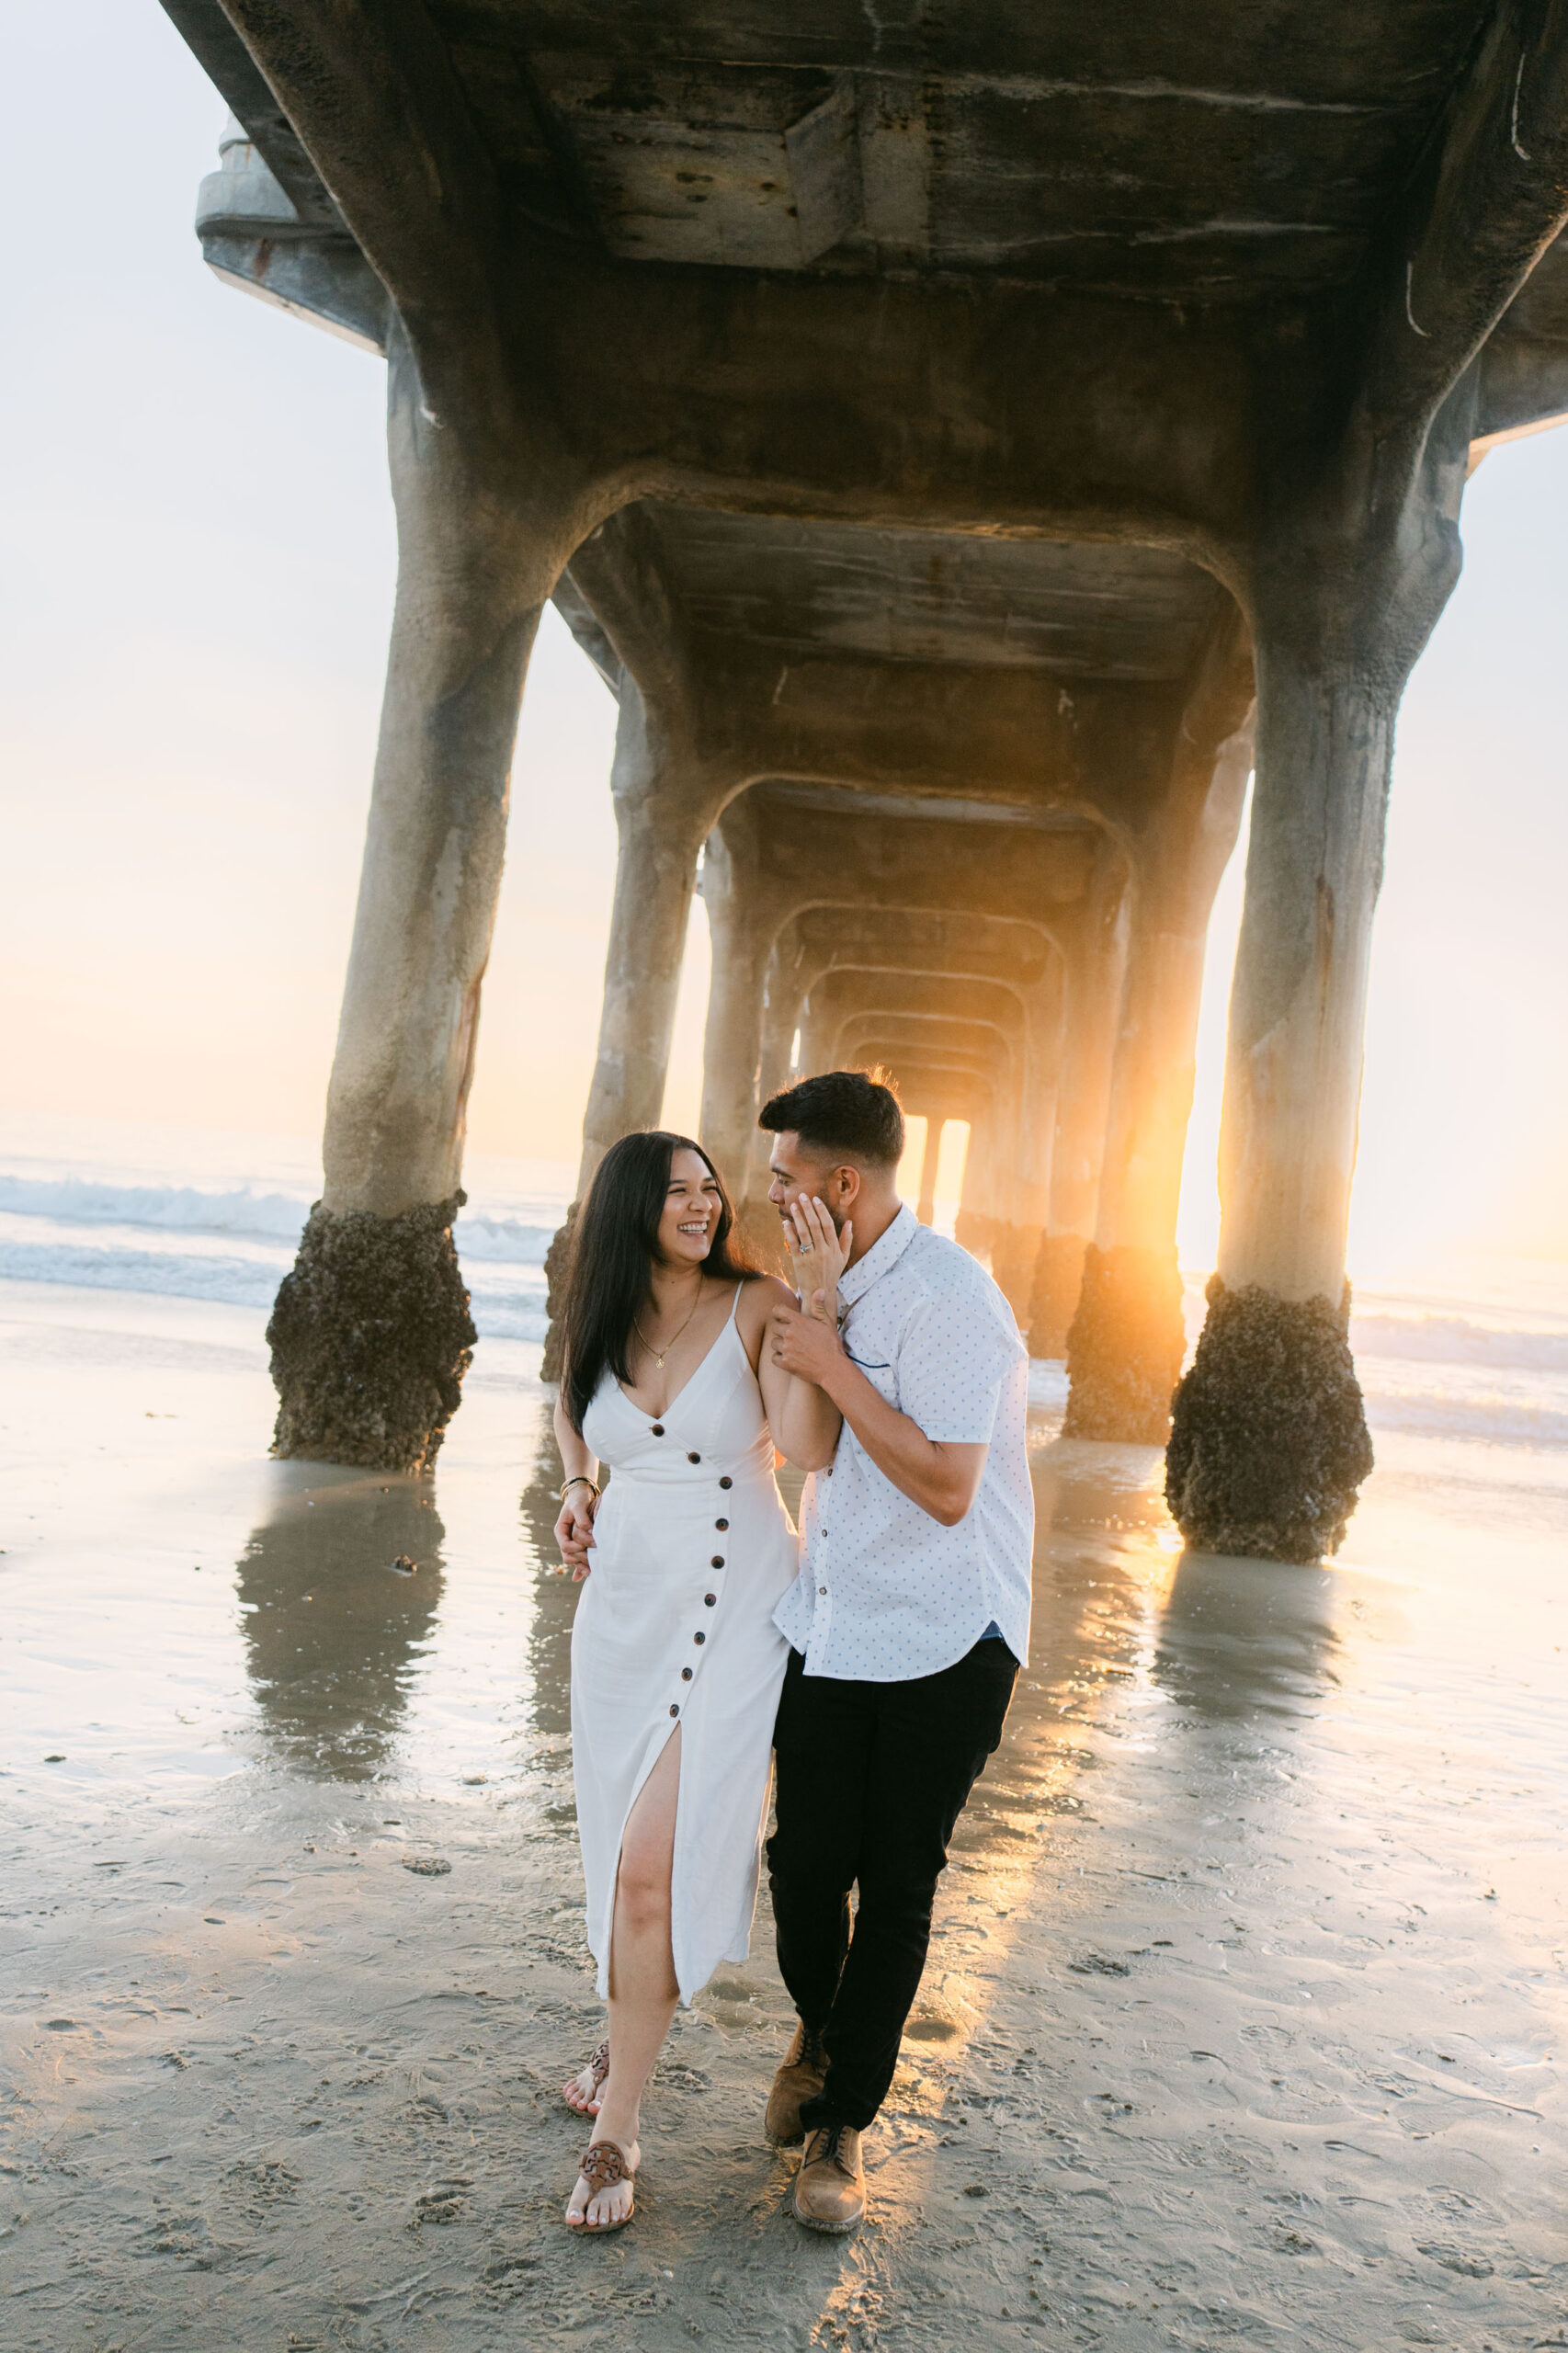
(1125,1346)
(1094,1002)
(732,334)
(1268,1442)
(1127,1337)
(370,1336)
(1054,1293)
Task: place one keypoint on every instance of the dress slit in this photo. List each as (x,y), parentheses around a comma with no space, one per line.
(673,1733)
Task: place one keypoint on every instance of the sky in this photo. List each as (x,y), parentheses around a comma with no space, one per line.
(196,565)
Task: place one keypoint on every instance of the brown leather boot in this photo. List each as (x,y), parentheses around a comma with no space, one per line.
(800,2078)
(830,2188)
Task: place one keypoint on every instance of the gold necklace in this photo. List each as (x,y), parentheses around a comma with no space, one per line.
(669,1344)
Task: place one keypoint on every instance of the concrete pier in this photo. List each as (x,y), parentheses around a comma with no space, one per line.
(370,1335)
(1128,1337)
(733,339)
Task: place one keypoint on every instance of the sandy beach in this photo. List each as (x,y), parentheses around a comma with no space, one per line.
(1243,2024)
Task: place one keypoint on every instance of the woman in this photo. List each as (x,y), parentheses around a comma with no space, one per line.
(675,1663)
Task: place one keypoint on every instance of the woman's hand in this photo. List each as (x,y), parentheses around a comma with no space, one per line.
(818,1256)
(574,1529)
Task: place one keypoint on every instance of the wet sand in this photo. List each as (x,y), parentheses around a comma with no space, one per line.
(1242,2023)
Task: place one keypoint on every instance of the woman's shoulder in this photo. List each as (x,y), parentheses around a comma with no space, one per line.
(758,1298)
(761,1293)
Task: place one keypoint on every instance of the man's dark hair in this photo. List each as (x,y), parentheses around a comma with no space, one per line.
(851,1112)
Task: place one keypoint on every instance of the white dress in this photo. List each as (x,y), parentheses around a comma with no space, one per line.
(692,1550)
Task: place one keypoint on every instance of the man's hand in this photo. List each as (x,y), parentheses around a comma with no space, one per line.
(804,1343)
(941,1476)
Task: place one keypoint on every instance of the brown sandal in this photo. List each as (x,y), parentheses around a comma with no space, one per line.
(604,2164)
(598,2068)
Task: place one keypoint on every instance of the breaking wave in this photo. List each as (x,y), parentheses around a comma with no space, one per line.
(235,1243)
(1481,1356)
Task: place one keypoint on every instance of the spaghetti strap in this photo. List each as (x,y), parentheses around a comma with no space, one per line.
(735,1303)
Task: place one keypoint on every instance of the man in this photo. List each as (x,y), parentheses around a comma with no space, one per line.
(908,1624)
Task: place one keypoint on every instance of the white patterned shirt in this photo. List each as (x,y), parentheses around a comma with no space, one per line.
(885,1592)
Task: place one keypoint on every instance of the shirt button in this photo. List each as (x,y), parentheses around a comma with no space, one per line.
(717,1561)
(710,1599)
(700,1637)
(726,1483)
(694,1458)
(721,1523)
(686,1675)
(658,1429)
(675,1711)
(822,1589)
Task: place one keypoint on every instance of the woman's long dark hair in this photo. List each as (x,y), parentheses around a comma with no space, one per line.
(613,1250)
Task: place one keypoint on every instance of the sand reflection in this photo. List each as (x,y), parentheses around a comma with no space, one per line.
(1241,1637)
(555,1598)
(334,1632)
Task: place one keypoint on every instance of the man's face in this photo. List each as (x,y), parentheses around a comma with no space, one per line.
(794,1169)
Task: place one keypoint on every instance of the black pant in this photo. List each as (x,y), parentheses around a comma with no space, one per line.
(872,1778)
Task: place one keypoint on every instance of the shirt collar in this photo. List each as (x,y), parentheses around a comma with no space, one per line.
(885,1252)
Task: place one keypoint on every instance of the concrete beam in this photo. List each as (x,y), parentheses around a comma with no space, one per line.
(371,97)
(1492,199)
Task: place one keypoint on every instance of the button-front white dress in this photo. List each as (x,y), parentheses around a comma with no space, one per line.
(692,1551)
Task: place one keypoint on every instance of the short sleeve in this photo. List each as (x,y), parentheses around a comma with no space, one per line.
(953,1357)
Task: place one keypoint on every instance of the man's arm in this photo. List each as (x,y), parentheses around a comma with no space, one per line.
(942,1477)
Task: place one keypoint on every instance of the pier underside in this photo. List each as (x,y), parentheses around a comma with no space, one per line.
(969,451)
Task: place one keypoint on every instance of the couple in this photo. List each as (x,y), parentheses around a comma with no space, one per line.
(875,1659)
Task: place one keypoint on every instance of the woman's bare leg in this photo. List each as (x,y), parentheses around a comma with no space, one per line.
(642,1989)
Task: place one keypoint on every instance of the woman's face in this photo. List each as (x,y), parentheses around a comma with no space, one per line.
(691,1212)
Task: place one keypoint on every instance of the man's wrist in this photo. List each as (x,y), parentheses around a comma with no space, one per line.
(842,1374)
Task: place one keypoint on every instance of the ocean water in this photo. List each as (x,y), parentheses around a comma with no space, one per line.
(1474,1348)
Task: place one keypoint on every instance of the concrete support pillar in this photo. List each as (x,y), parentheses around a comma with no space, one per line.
(743,919)
(1022,1205)
(926,1210)
(1268,1442)
(370,1335)
(780,1010)
(1129,1336)
(661,815)
(816,1040)
(1094,1004)
(663,807)
(976,1225)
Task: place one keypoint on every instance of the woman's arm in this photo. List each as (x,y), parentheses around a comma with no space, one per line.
(941,1475)
(805,1423)
(575,1528)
